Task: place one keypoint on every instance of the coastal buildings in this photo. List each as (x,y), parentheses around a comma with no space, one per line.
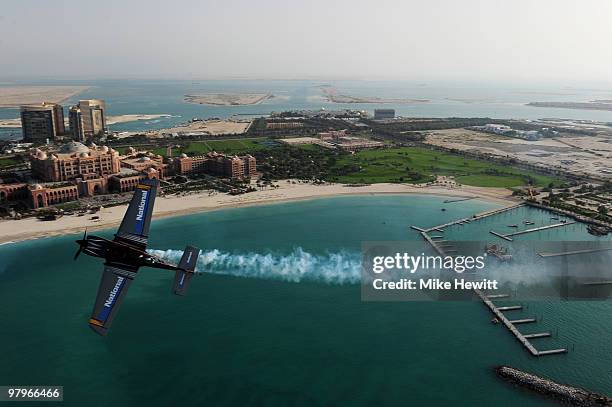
(217,164)
(503,130)
(382,114)
(144,162)
(333,135)
(284,125)
(87,119)
(42,122)
(36,196)
(74,160)
(75,170)
(128,180)
(87,167)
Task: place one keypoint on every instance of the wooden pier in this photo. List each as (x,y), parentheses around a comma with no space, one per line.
(522,338)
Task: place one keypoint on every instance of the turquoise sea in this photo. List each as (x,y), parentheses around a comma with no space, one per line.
(278,320)
(447,99)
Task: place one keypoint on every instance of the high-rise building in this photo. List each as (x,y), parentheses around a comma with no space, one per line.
(87,119)
(42,122)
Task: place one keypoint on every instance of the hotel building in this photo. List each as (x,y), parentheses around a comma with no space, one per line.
(87,119)
(218,164)
(42,122)
(87,167)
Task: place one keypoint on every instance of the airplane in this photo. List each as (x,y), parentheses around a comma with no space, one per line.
(126,253)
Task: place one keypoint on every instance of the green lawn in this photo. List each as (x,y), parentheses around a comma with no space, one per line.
(5,162)
(419,165)
(309,147)
(237,146)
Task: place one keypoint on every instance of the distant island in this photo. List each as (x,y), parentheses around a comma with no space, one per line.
(332,95)
(15,96)
(594,105)
(228,99)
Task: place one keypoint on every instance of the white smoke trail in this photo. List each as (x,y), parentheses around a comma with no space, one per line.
(332,268)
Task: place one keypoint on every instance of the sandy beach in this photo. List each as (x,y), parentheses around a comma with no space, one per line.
(32,228)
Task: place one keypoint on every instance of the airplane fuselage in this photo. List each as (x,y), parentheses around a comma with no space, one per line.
(122,253)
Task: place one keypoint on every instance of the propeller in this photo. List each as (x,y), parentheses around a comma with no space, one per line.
(82,243)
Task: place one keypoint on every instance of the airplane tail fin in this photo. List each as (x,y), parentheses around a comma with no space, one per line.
(187,267)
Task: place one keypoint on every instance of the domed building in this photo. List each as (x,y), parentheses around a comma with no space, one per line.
(89,168)
(143,161)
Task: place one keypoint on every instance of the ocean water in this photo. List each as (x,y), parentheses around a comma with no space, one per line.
(447,99)
(276,318)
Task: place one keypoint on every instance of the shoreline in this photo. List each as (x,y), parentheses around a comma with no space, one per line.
(32,228)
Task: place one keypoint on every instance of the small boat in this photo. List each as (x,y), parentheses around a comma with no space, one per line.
(528,222)
(512,226)
(443,209)
(554,218)
(500,252)
(495,321)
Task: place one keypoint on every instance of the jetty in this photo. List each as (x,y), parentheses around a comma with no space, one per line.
(433,244)
(573,252)
(443,248)
(459,200)
(567,394)
(510,324)
(598,283)
(508,236)
(463,221)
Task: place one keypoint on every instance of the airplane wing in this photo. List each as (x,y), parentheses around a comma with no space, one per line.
(134,229)
(115,282)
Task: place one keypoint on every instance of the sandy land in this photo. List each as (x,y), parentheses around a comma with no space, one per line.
(109,120)
(16,230)
(228,99)
(133,118)
(579,155)
(332,95)
(208,127)
(13,123)
(14,96)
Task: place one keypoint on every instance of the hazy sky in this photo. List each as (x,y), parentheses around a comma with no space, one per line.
(410,39)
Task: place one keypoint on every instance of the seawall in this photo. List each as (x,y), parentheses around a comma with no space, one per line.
(567,394)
